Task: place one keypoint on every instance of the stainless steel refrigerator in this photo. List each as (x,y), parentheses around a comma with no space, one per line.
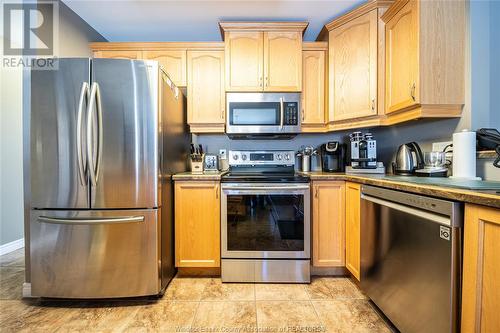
(106,136)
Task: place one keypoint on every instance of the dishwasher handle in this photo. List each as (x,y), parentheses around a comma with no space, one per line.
(441,219)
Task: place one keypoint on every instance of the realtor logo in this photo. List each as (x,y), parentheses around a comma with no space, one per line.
(29,32)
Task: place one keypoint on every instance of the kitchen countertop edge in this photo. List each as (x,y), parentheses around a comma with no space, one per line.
(216,175)
(456,194)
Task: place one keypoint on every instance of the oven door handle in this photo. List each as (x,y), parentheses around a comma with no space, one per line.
(266,188)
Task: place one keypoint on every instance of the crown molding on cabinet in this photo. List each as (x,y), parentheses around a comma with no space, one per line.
(263,26)
(100,46)
(357,12)
(392,10)
(314,46)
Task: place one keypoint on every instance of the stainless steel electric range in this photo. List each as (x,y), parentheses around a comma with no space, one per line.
(265,219)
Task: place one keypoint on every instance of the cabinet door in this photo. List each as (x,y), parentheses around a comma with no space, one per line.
(481,275)
(205,89)
(197,224)
(353,68)
(123,54)
(402,79)
(313,88)
(282,61)
(328,224)
(174,63)
(352,228)
(244,61)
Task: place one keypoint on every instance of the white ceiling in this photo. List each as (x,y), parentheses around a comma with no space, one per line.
(189,20)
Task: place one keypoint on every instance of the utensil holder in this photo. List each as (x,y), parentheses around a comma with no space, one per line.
(197,167)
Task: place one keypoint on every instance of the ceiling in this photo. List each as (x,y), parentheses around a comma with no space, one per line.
(188,20)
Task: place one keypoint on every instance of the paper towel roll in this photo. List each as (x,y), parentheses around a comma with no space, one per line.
(464,155)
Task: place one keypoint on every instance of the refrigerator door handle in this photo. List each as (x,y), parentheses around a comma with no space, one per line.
(84,96)
(95,99)
(110,220)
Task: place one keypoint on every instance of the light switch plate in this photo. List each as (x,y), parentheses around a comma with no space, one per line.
(222,154)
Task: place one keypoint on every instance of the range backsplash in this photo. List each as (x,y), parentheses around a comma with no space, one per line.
(388,138)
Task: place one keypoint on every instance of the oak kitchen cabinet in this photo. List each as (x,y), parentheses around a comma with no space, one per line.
(197,224)
(481,269)
(205,91)
(328,221)
(118,54)
(352,228)
(263,56)
(173,61)
(425,58)
(356,66)
(314,97)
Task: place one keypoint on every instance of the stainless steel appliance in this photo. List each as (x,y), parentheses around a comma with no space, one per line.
(106,136)
(411,250)
(265,219)
(260,115)
(333,157)
(363,151)
(305,155)
(409,158)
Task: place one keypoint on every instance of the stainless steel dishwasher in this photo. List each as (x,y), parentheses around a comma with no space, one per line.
(411,256)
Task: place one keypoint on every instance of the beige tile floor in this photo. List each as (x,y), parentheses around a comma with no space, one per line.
(198,305)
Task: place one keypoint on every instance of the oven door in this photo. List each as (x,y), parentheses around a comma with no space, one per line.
(265,220)
(262,113)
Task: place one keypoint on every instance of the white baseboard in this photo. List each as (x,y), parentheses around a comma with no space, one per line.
(12,246)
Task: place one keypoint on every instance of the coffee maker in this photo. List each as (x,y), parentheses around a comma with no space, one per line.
(333,156)
(363,151)
(364,155)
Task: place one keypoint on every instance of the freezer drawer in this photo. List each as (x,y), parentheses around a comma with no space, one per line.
(94,254)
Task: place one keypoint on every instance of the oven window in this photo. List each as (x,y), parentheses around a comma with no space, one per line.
(263,113)
(269,222)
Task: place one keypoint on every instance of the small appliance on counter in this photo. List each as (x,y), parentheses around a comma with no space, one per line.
(464,155)
(364,154)
(435,165)
(409,158)
(211,163)
(196,159)
(333,157)
(305,154)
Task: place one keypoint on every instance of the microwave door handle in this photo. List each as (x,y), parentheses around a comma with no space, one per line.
(282,111)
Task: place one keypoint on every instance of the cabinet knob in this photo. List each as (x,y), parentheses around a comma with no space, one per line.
(373,104)
(260,81)
(412,91)
(216,191)
(316,192)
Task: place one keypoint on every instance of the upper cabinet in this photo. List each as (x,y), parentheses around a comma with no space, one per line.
(283,61)
(356,62)
(173,62)
(244,61)
(425,59)
(353,68)
(118,54)
(205,91)
(314,63)
(263,56)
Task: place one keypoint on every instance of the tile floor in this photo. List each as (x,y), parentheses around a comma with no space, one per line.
(328,304)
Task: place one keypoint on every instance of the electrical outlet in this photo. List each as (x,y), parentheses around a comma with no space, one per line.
(222,154)
(439,146)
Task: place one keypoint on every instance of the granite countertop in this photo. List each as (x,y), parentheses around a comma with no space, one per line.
(477,192)
(207,175)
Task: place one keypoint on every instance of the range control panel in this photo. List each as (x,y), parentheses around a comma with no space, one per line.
(291,113)
(261,157)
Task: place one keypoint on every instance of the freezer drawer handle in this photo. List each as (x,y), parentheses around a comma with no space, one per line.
(110,220)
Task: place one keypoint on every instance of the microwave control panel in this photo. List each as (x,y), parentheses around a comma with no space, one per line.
(291,113)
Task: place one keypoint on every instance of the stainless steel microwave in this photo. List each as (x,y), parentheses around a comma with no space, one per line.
(262,113)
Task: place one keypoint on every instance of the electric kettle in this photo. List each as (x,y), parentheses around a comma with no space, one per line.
(408,159)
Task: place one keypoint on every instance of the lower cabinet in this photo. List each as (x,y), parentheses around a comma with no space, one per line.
(197,224)
(328,222)
(352,228)
(481,272)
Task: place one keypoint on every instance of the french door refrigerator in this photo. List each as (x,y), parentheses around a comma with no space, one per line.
(106,135)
